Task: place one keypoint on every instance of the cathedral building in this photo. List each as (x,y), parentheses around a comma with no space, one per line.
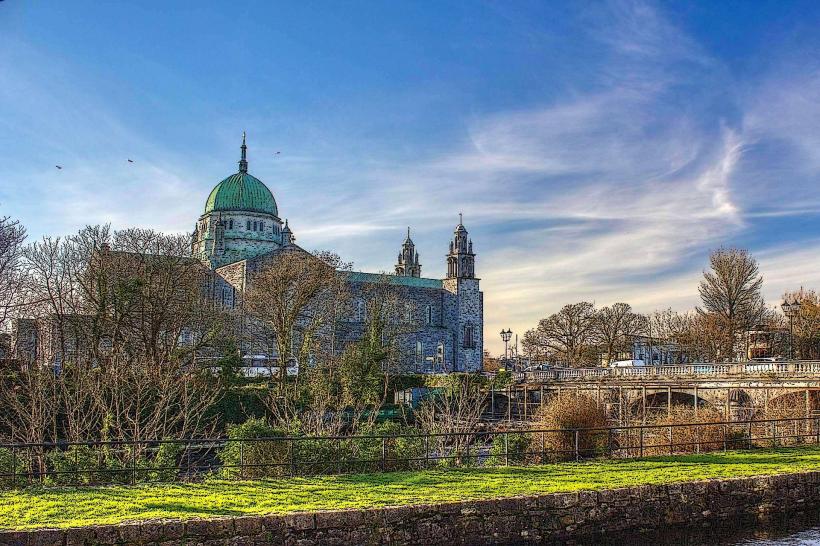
(241,226)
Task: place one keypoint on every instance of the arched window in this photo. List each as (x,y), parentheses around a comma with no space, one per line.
(230,224)
(440,353)
(248,225)
(360,311)
(408,312)
(419,352)
(262,226)
(469,342)
(429,314)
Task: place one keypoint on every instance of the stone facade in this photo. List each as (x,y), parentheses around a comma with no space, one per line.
(560,518)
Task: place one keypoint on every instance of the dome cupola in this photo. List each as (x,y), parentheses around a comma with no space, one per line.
(242,192)
(240,220)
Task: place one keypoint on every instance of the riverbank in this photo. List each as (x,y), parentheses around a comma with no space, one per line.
(77,507)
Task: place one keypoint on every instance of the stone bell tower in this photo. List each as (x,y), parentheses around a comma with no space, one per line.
(408,263)
(464,304)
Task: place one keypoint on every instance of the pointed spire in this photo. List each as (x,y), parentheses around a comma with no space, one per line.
(243,163)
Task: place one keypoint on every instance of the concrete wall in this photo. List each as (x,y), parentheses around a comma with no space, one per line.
(554,518)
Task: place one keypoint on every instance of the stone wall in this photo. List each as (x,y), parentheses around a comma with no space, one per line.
(543,519)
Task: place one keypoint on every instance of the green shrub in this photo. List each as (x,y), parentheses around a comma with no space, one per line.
(75,465)
(11,464)
(238,404)
(260,459)
(400,452)
(514,452)
(160,464)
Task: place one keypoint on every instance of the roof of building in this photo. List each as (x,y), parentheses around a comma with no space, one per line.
(400,280)
(241,192)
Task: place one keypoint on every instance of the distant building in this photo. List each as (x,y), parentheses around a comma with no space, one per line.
(764,341)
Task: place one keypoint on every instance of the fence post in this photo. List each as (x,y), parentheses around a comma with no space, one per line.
(544,449)
(426,451)
(134,463)
(774,434)
(506,450)
(641,433)
(725,427)
(577,451)
(384,453)
(292,458)
(241,460)
(751,435)
(671,447)
(609,442)
(13,467)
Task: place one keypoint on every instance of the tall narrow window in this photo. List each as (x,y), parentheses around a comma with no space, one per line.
(248,225)
(468,336)
(230,224)
(419,352)
(255,225)
(440,354)
(429,314)
(262,226)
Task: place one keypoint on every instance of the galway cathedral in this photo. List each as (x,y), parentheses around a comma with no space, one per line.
(444,319)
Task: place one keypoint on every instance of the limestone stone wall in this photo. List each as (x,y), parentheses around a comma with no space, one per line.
(540,519)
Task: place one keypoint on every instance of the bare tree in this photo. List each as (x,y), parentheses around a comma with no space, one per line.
(12,236)
(567,335)
(454,415)
(732,292)
(806,325)
(294,300)
(119,318)
(616,326)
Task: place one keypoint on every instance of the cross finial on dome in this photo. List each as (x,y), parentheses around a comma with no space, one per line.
(243,163)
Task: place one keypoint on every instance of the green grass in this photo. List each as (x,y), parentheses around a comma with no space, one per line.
(70,507)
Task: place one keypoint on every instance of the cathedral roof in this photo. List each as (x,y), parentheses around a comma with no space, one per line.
(242,192)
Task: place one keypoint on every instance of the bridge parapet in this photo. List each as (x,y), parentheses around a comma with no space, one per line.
(735,370)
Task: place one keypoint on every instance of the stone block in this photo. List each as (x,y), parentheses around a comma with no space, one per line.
(300,521)
(47,537)
(14,538)
(78,536)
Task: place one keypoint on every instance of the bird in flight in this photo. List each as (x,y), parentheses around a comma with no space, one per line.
(58,167)
(130,160)
(277,153)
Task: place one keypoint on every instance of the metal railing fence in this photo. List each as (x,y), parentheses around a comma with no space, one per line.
(145,461)
(794,368)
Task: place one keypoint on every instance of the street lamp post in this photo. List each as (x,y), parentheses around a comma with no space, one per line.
(506,335)
(791,309)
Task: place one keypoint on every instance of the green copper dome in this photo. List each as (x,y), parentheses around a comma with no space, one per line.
(241,191)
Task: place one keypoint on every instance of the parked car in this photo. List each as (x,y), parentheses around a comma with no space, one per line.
(627,364)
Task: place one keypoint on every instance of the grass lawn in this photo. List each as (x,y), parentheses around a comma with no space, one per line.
(69,507)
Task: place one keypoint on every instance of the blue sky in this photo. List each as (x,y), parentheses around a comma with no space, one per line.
(598,150)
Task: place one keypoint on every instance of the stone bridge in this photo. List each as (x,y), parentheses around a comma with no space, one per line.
(740,391)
